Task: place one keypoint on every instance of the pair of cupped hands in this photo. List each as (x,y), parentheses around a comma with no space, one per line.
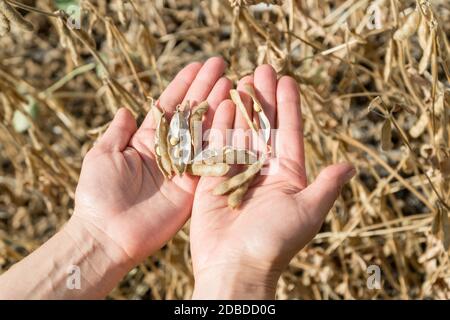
(123,197)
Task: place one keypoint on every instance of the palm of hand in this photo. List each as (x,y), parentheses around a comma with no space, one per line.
(255,233)
(278,215)
(134,208)
(121,191)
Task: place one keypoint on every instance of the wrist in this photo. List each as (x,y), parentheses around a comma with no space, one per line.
(81,224)
(101,262)
(239,282)
(73,264)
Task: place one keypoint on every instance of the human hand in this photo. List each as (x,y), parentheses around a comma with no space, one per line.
(124,208)
(241,253)
(121,195)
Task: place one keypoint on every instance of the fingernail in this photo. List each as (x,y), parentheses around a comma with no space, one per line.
(349,174)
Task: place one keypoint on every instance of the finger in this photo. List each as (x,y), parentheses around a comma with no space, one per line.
(173,95)
(242,132)
(205,80)
(218,138)
(318,198)
(219,93)
(288,105)
(119,132)
(222,123)
(175,92)
(289,136)
(265,80)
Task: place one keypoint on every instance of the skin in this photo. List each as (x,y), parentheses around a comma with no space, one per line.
(240,254)
(138,209)
(125,210)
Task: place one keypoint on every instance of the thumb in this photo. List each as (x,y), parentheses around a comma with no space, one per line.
(318,198)
(119,132)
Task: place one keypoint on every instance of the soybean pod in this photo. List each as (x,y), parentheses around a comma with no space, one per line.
(179,140)
(262,120)
(195,125)
(161,150)
(236,197)
(239,179)
(208,170)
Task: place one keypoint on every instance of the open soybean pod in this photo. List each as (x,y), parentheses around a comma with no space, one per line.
(234,94)
(208,156)
(263,121)
(195,125)
(238,156)
(14,16)
(161,150)
(227,155)
(157,113)
(265,126)
(179,140)
(239,179)
(208,170)
(251,92)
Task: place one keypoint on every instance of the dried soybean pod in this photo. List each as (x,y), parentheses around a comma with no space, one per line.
(162,155)
(239,179)
(207,156)
(388,60)
(211,156)
(67,41)
(419,127)
(237,156)
(121,13)
(423,64)
(85,37)
(436,224)
(375,104)
(236,197)
(127,96)
(161,151)
(14,16)
(445,118)
(208,170)
(445,225)
(196,118)
(199,110)
(264,123)
(156,113)
(386,135)
(265,126)
(179,140)
(238,102)
(251,92)
(409,28)
(422,33)
(4,25)
(82,35)
(110,97)
(159,163)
